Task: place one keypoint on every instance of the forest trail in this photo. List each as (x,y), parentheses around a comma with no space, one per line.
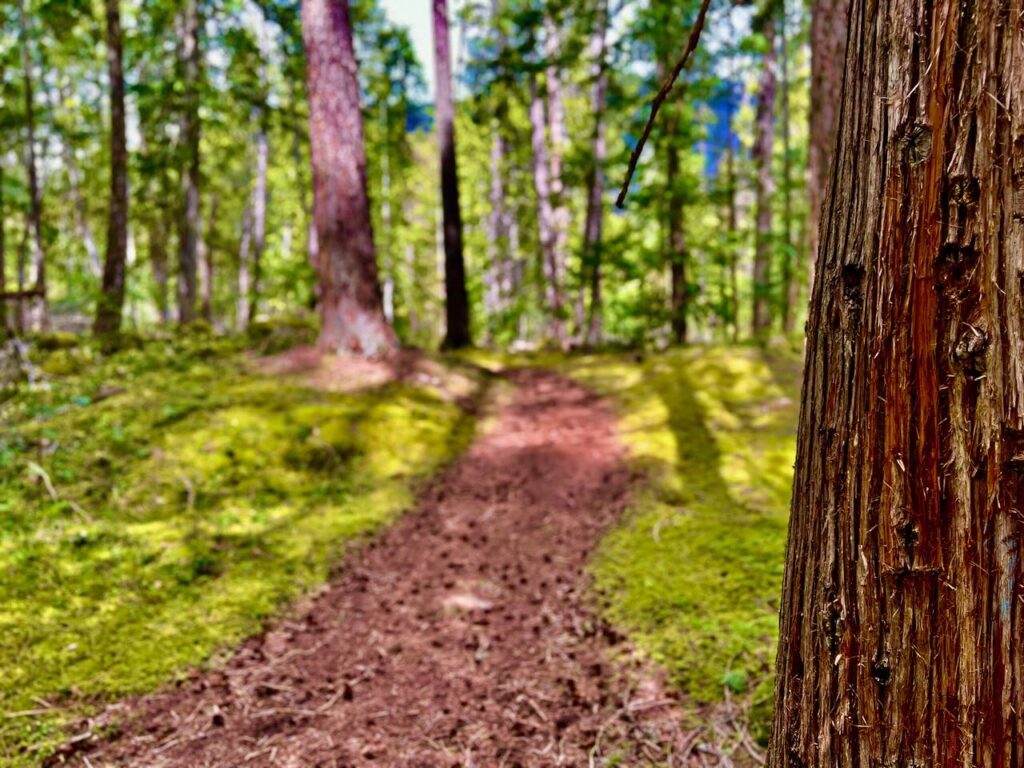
(463,636)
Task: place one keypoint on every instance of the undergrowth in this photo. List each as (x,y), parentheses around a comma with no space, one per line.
(158,505)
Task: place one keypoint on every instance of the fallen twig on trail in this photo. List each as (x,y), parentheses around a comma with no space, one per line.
(666,89)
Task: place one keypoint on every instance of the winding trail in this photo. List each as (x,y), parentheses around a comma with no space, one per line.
(463,636)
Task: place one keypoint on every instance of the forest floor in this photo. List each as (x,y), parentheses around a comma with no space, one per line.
(593,582)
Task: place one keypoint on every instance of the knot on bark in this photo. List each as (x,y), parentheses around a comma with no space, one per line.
(917,143)
(970,350)
(853,283)
(965,190)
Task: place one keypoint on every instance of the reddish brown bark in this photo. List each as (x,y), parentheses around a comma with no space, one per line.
(108,310)
(903,608)
(593,229)
(457,334)
(828,52)
(762,316)
(349,296)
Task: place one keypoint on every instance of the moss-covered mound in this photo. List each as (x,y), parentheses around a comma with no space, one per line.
(157,505)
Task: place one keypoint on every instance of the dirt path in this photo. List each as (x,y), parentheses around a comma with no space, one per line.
(461,637)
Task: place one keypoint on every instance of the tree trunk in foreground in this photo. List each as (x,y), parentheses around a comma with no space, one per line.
(456,298)
(349,296)
(902,619)
(762,317)
(190,223)
(108,310)
(828,52)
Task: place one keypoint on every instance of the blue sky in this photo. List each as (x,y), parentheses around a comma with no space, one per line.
(415,14)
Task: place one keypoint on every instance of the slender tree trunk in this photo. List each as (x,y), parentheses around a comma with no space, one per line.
(92,251)
(790,289)
(545,216)
(762,316)
(254,235)
(676,239)
(205,261)
(457,334)
(828,53)
(352,318)
(593,229)
(190,225)
(557,135)
(734,255)
(5,327)
(158,265)
(497,241)
(111,303)
(902,618)
(39,313)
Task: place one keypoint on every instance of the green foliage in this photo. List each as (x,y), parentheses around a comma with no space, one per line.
(158,505)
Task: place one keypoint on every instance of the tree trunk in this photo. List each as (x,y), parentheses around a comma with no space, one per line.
(557,134)
(828,53)
(676,237)
(546,216)
(39,312)
(108,310)
(790,289)
(456,298)
(593,230)
(5,328)
(254,236)
(158,265)
(191,218)
(734,255)
(903,603)
(765,187)
(349,296)
(204,259)
(497,240)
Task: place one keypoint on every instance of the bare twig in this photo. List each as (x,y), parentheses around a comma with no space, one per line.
(666,89)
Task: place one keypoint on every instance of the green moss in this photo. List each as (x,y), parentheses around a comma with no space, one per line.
(194,498)
(694,573)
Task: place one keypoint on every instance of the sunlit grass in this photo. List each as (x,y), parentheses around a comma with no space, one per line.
(194,497)
(694,572)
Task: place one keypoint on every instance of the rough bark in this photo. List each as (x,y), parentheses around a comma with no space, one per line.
(545,215)
(593,229)
(38,314)
(903,607)
(349,296)
(762,318)
(828,52)
(457,333)
(190,223)
(108,310)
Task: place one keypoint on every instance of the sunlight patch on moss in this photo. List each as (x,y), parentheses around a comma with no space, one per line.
(694,572)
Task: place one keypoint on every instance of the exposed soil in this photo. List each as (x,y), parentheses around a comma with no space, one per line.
(463,636)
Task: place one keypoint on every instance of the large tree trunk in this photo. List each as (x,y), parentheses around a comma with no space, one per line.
(828,53)
(593,229)
(349,296)
(39,311)
(546,216)
(108,310)
(903,607)
(761,323)
(191,218)
(456,298)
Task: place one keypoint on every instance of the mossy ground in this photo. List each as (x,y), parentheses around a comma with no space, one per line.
(694,573)
(191,498)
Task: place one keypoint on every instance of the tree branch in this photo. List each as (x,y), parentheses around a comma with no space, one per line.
(666,89)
